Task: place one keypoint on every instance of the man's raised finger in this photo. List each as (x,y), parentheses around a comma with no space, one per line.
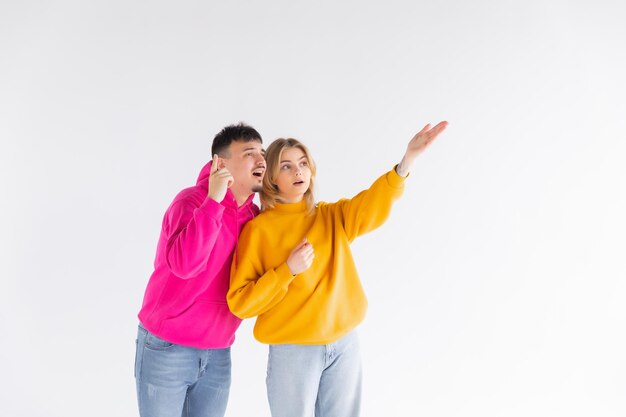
(214,164)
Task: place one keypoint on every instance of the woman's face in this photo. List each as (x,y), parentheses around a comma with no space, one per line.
(294,175)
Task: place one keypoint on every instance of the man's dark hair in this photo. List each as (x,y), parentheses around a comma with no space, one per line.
(240,132)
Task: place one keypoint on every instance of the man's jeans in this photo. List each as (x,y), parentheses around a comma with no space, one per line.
(174,380)
(320,380)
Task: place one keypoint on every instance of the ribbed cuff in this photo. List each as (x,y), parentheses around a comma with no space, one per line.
(394,179)
(284,275)
(212,208)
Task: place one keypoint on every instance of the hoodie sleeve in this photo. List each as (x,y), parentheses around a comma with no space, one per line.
(254,289)
(370,208)
(191,235)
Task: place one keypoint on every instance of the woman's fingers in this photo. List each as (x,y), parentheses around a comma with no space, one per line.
(300,245)
(424,129)
(306,248)
(301,257)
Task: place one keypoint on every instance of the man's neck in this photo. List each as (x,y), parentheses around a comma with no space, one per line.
(241,198)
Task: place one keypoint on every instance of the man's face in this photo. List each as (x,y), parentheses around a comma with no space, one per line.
(246,163)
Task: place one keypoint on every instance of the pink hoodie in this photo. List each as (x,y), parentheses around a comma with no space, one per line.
(185,301)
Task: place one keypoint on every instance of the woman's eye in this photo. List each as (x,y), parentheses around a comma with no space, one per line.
(285,167)
(304,163)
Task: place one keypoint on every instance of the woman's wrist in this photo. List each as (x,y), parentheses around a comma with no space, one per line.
(403,167)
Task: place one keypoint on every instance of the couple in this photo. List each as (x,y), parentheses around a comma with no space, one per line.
(291,266)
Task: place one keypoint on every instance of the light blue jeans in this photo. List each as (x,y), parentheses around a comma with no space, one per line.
(315,380)
(174,380)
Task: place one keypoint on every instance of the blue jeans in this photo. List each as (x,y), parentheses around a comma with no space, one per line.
(174,380)
(320,380)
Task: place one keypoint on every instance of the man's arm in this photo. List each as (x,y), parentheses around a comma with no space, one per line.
(193,231)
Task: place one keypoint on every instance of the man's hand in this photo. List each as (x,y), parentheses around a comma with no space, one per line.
(220,180)
(301,257)
(417,145)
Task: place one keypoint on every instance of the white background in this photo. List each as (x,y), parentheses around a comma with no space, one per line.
(496,288)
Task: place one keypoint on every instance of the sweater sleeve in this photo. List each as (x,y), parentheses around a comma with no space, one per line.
(370,208)
(191,235)
(253,290)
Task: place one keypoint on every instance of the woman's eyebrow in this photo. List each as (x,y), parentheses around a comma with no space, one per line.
(289,160)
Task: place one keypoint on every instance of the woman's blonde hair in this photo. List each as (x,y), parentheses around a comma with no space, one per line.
(270,194)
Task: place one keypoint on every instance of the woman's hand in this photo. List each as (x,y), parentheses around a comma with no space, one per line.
(417,145)
(301,257)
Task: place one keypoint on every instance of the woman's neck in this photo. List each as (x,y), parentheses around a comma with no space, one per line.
(290,199)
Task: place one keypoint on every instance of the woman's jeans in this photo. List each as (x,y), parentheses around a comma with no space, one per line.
(320,380)
(174,380)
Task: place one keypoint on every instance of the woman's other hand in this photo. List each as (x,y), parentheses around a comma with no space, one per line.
(301,258)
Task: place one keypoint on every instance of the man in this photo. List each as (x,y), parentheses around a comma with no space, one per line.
(182,364)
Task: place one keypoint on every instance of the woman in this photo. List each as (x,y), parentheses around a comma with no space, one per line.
(294,270)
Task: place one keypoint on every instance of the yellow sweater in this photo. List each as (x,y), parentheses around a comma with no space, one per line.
(326,301)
